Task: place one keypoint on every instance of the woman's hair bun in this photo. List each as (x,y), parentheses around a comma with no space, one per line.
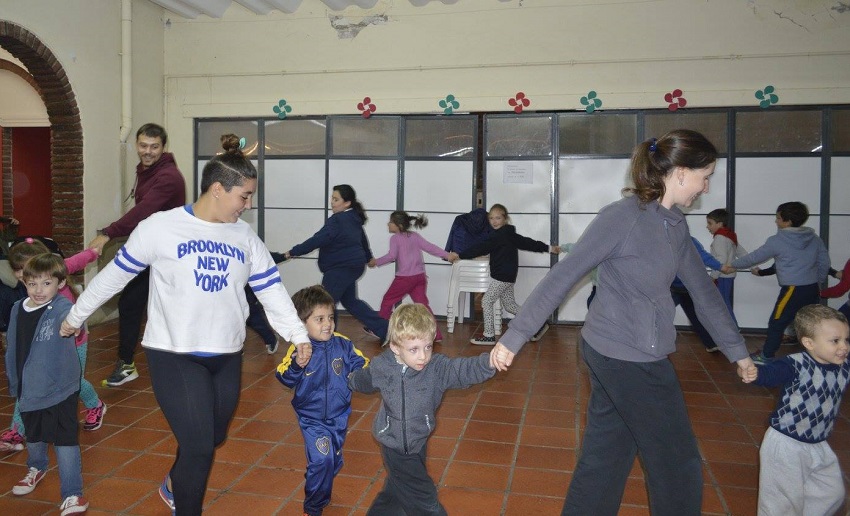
(230,143)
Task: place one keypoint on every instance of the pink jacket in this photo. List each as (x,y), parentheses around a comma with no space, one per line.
(75,264)
(406,250)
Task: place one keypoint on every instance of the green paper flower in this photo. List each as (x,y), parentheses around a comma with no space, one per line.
(766,97)
(591,102)
(449,104)
(282,109)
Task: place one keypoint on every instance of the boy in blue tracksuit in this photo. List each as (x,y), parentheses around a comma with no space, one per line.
(322,399)
(802,263)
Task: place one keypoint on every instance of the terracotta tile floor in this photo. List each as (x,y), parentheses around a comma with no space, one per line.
(506,447)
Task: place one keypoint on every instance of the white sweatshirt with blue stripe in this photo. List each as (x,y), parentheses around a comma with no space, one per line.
(198,273)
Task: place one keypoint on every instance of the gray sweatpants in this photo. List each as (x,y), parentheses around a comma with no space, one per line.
(798,478)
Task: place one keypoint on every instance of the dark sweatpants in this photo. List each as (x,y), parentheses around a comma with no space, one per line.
(788,303)
(408,488)
(635,408)
(131,310)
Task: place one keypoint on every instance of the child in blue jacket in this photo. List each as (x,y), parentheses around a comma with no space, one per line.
(44,376)
(322,399)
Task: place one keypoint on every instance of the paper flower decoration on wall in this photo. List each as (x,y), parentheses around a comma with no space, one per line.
(767,97)
(449,104)
(519,102)
(675,100)
(591,102)
(366,107)
(282,109)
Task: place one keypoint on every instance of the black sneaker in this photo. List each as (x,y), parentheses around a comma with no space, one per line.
(122,374)
(483,340)
(543,329)
(272,348)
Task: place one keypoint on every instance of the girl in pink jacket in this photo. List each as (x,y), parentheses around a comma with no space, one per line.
(406,250)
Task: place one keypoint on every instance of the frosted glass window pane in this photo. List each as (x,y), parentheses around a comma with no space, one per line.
(587,185)
(711,125)
(373,181)
(294,183)
(425,186)
(778,131)
(295,137)
(440,137)
(364,136)
(596,135)
(839,186)
(762,184)
(519,136)
(209,136)
(520,197)
(841,130)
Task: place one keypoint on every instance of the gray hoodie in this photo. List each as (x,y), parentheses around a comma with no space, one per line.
(639,251)
(410,398)
(800,255)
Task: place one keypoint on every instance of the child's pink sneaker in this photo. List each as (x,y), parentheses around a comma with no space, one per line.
(11,441)
(94,417)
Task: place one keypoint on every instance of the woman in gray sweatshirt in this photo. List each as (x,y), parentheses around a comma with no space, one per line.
(636,406)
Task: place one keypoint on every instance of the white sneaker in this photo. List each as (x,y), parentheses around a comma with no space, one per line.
(272,348)
(74,505)
(28,483)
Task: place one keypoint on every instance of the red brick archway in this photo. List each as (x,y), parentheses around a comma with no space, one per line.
(66,139)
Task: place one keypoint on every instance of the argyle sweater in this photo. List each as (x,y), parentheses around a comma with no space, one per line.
(811,395)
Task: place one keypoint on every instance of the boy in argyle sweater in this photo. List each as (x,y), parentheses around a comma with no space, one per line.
(799,472)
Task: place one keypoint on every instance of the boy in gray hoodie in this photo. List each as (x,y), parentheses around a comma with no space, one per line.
(412,380)
(802,263)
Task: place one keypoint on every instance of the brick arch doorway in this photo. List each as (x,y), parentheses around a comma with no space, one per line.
(66,138)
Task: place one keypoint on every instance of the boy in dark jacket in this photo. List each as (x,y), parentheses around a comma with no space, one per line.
(47,396)
(802,263)
(322,399)
(412,382)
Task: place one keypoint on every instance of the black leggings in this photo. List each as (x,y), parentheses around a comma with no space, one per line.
(198,396)
(131,311)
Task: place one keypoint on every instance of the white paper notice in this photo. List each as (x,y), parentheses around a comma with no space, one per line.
(518,172)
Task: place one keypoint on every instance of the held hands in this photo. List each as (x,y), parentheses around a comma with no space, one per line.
(747,370)
(98,242)
(453,257)
(555,249)
(501,357)
(755,271)
(372,263)
(303,352)
(67,330)
(727,269)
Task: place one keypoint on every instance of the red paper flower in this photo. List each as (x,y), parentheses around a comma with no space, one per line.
(675,100)
(366,107)
(519,102)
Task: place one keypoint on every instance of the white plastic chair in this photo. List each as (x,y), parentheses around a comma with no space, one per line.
(469,276)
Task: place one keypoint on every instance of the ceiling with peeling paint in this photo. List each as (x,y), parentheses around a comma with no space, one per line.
(216,8)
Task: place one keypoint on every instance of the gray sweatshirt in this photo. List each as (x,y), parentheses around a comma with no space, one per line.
(639,250)
(800,255)
(410,398)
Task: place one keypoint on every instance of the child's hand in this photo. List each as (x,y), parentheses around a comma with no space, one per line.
(747,370)
(755,271)
(97,250)
(727,269)
(303,352)
(453,257)
(67,330)
(372,263)
(555,249)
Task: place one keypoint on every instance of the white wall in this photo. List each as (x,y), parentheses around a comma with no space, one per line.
(85,36)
